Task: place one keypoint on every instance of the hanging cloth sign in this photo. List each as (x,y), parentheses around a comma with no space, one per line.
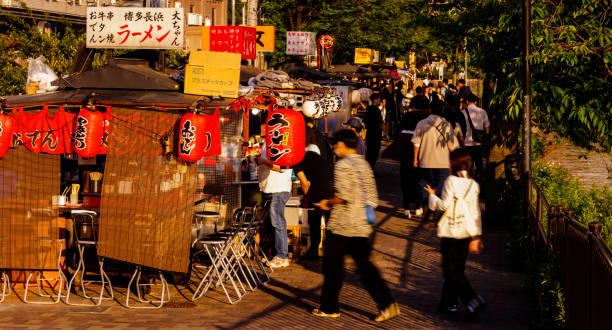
(40,132)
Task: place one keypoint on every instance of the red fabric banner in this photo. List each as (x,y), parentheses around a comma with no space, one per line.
(40,132)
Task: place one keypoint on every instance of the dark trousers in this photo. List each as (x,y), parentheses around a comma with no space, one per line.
(410,189)
(314,223)
(435,177)
(456,285)
(476,154)
(359,248)
(372,152)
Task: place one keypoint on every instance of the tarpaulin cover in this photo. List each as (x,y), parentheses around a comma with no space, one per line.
(147,198)
(29,225)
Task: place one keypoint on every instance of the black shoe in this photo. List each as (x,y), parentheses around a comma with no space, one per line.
(474,307)
(452,309)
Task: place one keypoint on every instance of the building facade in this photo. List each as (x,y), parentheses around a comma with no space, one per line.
(199,12)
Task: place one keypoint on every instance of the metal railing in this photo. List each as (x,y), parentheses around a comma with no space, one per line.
(585,263)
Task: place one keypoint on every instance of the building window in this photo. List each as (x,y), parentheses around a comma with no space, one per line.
(191,8)
(214,16)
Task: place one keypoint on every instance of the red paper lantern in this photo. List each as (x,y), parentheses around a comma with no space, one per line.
(7,127)
(199,136)
(285,137)
(88,133)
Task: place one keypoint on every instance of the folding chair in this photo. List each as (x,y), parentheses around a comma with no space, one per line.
(165,293)
(85,229)
(224,262)
(51,239)
(6,286)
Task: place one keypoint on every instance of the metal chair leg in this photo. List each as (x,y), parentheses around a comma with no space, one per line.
(165,294)
(61,278)
(104,280)
(6,286)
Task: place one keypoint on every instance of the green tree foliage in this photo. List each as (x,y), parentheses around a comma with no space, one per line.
(20,40)
(390,26)
(570,63)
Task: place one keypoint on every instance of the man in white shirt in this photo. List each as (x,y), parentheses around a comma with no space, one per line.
(275,182)
(480,121)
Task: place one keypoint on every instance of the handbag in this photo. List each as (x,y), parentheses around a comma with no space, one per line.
(453,222)
(370,213)
(478,135)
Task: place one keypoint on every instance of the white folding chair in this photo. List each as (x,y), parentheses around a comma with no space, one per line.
(165,291)
(85,230)
(6,286)
(224,263)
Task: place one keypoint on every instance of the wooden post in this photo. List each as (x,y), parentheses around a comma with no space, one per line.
(595,233)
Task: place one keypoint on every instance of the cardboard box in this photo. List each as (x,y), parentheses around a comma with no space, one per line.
(234,39)
(213,73)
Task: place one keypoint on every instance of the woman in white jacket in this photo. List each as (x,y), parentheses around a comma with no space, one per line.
(459,230)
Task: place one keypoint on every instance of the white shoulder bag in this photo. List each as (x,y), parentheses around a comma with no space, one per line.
(452,224)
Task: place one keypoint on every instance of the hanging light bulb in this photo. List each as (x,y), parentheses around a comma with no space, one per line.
(255,111)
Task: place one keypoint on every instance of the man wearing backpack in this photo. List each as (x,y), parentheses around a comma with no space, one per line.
(476,130)
(433,139)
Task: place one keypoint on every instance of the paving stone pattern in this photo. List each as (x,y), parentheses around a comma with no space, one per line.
(589,167)
(406,251)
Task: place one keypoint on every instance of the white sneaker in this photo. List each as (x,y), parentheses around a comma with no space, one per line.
(418,212)
(407,213)
(279,262)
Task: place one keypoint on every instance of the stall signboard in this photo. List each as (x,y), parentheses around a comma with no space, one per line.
(135,28)
(301,43)
(234,39)
(266,38)
(363,55)
(400,64)
(213,73)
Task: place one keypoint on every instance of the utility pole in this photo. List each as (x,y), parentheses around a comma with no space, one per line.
(526,104)
(233,12)
(252,20)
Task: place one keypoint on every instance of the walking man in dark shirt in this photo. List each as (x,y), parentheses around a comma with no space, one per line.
(373,122)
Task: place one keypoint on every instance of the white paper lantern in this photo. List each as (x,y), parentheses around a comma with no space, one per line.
(309,108)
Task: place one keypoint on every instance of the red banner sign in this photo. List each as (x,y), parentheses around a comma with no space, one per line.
(40,132)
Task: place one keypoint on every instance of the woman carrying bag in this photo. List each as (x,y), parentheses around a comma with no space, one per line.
(459,230)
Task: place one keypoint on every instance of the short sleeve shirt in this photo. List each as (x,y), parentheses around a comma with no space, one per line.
(480,119)
(435,138)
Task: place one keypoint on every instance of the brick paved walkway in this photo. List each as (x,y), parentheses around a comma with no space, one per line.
(406,251)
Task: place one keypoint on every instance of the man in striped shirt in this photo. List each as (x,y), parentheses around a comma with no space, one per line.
(348,230)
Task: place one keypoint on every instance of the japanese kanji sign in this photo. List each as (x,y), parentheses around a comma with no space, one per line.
(301,43)
(266,38)
(135,28)
(233,39)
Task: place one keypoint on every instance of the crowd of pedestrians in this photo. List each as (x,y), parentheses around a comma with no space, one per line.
(438,136)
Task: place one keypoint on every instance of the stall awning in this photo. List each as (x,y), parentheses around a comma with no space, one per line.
(112,97)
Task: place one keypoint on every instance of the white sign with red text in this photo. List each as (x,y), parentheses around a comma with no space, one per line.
(135,28)
(301,43)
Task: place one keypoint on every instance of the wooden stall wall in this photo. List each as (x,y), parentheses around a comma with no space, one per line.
(29,225)
(147,198)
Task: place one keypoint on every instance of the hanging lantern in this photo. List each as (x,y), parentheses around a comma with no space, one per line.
(88,133)
(7,127)
(285,137)
(199,136)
